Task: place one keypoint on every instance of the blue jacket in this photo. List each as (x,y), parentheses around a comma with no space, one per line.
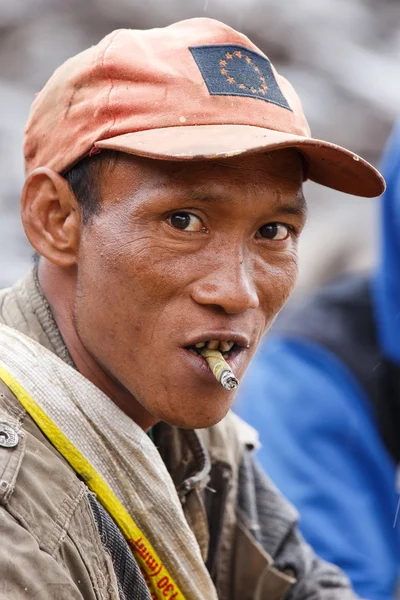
(320,440)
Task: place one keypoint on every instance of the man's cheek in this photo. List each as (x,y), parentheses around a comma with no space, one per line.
(276,286)
(286,275)
(147,257)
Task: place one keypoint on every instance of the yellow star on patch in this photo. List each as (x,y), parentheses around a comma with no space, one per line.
(248,59)
(223,63)
(238,54)
(228,55)
(231,79)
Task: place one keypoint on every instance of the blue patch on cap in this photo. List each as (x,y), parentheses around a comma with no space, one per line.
(234,70)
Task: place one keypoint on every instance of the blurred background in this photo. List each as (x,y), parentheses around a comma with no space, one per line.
(341,55)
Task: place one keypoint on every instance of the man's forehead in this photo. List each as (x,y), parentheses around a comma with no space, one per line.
(283,193)
(275,174)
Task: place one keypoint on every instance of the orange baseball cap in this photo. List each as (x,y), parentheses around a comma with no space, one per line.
(192,91)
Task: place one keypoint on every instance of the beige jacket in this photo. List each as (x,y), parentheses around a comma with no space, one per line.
(50,547)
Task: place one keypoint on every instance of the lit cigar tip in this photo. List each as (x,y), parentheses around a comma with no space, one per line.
(229,381)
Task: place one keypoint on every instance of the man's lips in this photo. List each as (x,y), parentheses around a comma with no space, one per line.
(236,356)
(237,360)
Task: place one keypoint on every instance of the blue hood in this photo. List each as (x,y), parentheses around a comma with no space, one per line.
(386,288)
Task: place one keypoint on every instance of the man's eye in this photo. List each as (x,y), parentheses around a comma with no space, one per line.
(274,231)
(186,222)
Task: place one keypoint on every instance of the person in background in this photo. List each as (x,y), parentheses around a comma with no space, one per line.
(324,392)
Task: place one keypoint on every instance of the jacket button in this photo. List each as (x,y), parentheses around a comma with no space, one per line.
(8,436)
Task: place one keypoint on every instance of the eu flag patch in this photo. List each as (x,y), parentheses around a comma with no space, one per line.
(234,70)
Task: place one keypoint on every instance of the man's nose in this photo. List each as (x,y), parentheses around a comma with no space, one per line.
(229,286)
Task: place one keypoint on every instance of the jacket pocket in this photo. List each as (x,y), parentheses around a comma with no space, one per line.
(256,578)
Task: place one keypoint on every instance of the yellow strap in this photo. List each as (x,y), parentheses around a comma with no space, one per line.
(158,579)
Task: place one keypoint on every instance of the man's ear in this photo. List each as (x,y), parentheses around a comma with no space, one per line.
(51,216)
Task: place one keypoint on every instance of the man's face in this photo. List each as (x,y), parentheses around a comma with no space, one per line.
(183,254)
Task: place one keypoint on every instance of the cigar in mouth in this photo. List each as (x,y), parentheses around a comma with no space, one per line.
(220,368)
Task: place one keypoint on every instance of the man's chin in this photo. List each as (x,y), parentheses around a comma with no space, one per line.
(191,420)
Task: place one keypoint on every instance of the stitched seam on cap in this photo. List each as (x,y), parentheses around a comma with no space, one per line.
(111,83)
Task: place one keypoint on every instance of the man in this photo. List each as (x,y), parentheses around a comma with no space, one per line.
(163,195)
(324,393)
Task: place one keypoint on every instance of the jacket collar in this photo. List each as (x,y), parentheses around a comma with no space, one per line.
(24,308)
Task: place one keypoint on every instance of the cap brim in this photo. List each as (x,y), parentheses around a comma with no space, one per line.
(328,164)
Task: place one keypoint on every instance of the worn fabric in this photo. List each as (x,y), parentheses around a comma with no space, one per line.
(210,470)
(131,585)
(50,546)
(323,391)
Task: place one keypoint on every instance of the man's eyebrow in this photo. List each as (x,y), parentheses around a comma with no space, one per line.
(297,207)
(199,196)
